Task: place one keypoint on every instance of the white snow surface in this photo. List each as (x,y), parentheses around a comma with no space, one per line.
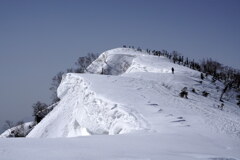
(138,98)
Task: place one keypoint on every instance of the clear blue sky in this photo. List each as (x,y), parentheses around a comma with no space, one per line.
(40,38)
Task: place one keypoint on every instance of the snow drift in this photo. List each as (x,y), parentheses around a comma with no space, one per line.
(82,112)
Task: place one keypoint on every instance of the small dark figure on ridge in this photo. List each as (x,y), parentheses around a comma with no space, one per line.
(172,70)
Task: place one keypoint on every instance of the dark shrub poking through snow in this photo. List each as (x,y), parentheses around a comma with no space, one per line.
(238,99)
(193,90)
(184,93)
(40,110)
(205,93)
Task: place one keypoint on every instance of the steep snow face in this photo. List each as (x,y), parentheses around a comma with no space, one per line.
(113,62)
(82,111)
(136,92)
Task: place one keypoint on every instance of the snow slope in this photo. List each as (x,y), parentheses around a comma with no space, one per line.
(135,94)
(139,95)
(121,147)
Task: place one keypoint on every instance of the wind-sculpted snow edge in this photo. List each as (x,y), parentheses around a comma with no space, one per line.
(82,112)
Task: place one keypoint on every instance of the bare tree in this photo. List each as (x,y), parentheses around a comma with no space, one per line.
(40,110)
(8,124)
(19,130)
(56,80)
(227,87)
(83,62)
(175,56)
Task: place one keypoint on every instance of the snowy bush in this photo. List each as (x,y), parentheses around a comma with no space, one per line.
(214,79)
(56,80)
(238,99)
(202,76)
(21,129)
(40,110)
(83,62)
(205,93)
(193,90)
(184,93)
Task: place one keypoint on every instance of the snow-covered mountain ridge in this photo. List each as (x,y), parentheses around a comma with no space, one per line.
(131,91)
(135,97)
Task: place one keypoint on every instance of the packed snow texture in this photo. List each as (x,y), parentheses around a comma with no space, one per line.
(120,147)
(135,94)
